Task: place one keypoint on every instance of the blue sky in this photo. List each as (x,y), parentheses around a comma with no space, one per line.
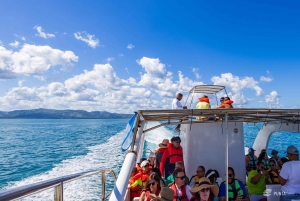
(124,56)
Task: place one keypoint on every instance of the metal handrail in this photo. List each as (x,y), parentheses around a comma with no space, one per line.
(57,183)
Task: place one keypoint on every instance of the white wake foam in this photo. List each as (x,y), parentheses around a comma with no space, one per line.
(104,156)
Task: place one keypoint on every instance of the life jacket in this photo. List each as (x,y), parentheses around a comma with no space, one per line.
(159,154)
(148,194)
(197,179)
(174,154)
(143,176)
(267,166)
(252,163)
(274,176)
(203,100)
(233,193)
(183,196)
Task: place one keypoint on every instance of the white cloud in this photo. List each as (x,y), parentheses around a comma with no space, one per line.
(32,60)
(272,97)
(130,46)
(87,38)
(1,42)
(266,79)
(20,37)
(126,69)
(195,71)
(20,83)
(15,44)
(109,59)
(43,34)
(237,84)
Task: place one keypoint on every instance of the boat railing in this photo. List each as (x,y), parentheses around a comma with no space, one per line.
(57,184)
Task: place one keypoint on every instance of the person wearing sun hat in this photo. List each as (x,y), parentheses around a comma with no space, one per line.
(205,191)
(289,176)
(166,194)
(162,148)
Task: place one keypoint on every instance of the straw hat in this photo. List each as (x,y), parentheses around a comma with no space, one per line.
(205,183)
(166,194)
(164,143)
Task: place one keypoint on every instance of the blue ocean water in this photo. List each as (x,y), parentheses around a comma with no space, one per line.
(34,150)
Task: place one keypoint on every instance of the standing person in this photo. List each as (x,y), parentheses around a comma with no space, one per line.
(236,188)
(162,148)
(257,181)
(251,160)
(174,153)
(289,177)
(180,188)
(194,182)
(205,191)
(177,105)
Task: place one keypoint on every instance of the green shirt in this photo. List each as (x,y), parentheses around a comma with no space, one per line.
(170,179)
(260,187)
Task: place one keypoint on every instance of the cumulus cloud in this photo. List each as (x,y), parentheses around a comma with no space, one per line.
(43,34)
(32,60)
(272,97)
(130,46)
(89,39)
(237,84)
(266,79)
(15,44)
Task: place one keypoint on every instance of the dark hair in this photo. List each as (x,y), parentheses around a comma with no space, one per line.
(179,94)
(226,98)
(202,167)
(156,170)
(232,170)
(272,161)
(261,156)
(284,159)
(154,176)
(213,176)
(134,169)
(259,162)
(176,171)
(175,138)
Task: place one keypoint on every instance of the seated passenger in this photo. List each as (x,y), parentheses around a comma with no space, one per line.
(152,186)
(144,173)
(251,160)
(205,191)
(282,161)
(166,194)
(273,172)
(162,182)
(194,181)
(257,181)
(203,104)
(212,175)
(236,188)
(170,179)
(138,165)
(180,188)
(227,103)
(263,156)
(151,159)
(135,184)
(275,157)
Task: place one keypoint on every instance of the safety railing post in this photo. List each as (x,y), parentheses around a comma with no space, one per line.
(58,192)
(103,178)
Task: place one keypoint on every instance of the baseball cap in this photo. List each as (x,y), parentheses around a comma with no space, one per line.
(292,150)
(251,150)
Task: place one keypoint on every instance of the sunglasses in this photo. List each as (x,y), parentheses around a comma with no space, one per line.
(151,184)
(199,171)
(230,175)
(204,189)
(182,178)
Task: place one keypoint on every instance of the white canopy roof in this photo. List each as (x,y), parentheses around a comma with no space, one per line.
(207,89)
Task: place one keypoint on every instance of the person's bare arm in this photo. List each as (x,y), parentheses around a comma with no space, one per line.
(282,181)
(142,197)
(256,178)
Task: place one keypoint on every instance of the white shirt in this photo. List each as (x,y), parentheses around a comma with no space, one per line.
(176,104)
(187,190)
(291,172)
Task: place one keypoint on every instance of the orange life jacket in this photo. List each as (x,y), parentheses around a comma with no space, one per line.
(183,196)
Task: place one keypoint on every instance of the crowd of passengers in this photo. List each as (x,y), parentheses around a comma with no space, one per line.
(162,176)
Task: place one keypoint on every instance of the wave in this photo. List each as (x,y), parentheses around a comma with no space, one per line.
(98,157)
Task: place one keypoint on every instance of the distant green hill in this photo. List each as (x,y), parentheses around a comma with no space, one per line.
(61,114)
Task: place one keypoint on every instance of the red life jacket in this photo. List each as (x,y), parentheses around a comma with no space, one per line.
(183,196)
(148,193)
(175,155)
